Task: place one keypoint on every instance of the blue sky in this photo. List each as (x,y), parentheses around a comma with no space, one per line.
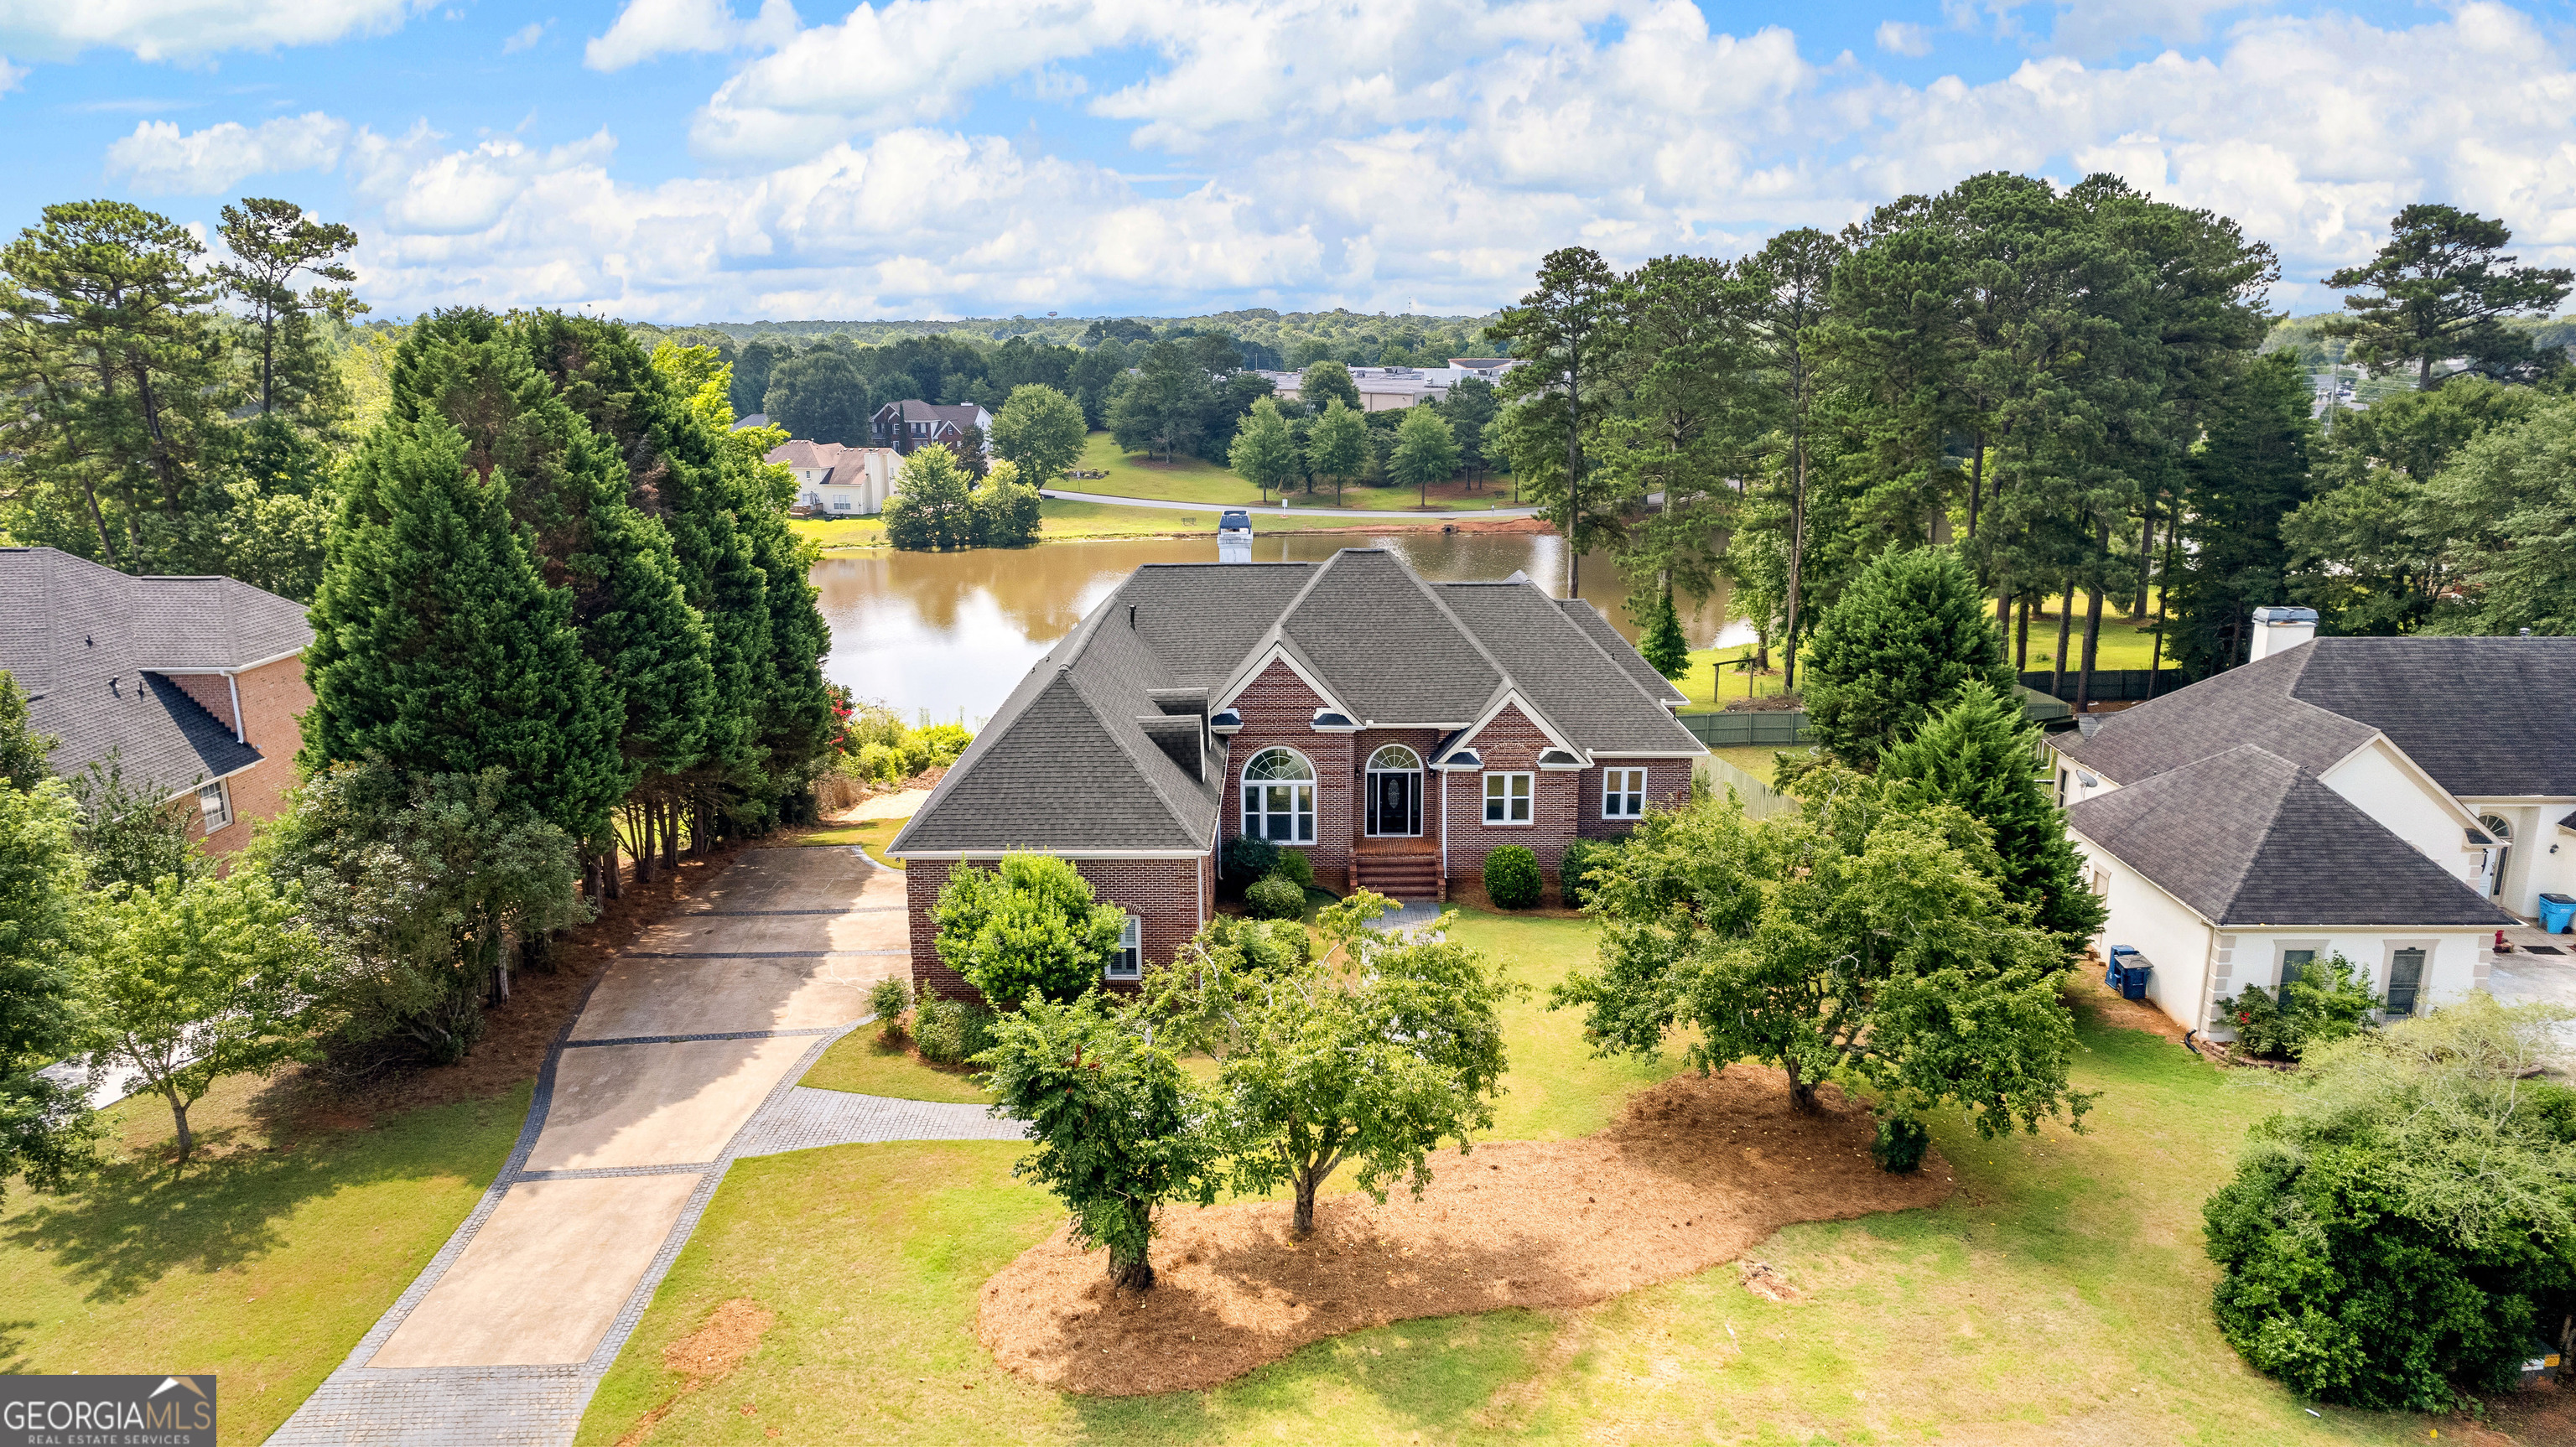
(680,160)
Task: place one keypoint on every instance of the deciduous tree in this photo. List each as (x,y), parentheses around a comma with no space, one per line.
(45,1128)
(820,395)
(1337,445)
(1426,451)
(931,510)
(1029,925)
(1039,431)
(1264,451)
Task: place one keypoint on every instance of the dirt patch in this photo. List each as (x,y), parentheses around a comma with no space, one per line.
(1699,1170)
(2086,991)
(1766,703)
(708,1354)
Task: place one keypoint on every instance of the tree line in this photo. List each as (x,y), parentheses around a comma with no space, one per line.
(2067,385)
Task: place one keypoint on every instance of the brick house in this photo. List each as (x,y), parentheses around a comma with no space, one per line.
(906,425)
(192,686)
(1395,730)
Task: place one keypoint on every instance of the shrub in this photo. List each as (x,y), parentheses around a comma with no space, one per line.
(2400,1235)
(2327,1001)
(1248,859)
(942,743)
(951,1032)
(1901,1143)
(1295,866)
(1511,877)
(887,1000)
(1030,924)
(1275,896)
(1582,857)
(1006,511)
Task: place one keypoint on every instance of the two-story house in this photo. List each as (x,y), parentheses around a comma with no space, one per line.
(835,480)
(2395,800)
(906,425)
(1394,730)
(192,687)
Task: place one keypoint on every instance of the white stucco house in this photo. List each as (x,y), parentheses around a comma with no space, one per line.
(835,480)
(2396,800)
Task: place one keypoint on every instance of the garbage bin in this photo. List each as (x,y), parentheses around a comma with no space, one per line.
(2556,910)
(2122,956)
(2133,981)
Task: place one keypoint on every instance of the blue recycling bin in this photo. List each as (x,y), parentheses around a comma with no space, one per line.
(2122,956)
(2133,981)
(2556,911)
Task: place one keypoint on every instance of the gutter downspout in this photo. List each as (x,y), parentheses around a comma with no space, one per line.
(233,681)
(1444,836)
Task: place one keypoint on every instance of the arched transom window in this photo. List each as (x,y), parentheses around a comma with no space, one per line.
(1394,797)
(1279,797)
(1395,756)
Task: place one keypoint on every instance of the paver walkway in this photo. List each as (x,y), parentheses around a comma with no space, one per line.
(683,1059)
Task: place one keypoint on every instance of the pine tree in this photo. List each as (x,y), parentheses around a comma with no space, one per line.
(1909,629)
(438,647)
(1664,647)
(1978,753)
(2249,472)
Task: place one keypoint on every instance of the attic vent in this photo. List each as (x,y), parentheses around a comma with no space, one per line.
(1558,759)
(1181,738)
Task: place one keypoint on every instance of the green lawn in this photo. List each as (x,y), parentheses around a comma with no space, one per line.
(2061,1296)
(2124,645)
(264,1264)
(1191,479)
(872,835)
(862,1062)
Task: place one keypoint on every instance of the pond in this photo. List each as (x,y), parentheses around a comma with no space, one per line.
(946,635)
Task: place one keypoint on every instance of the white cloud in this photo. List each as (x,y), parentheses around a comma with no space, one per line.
(159,159)
(648,28)
(1384,168)
(1904,37)
(525,37)
(185,29)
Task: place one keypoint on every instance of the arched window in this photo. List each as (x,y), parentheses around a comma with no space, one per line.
(1279,797)
(2502,833)
(1394,792)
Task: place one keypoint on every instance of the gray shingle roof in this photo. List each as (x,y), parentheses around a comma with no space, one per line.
(2247,837)
(1066,765)
(1621,651)
(2486,717)
(1558,666)
(87,644)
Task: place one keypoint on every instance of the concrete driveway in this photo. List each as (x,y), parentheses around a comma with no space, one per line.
(703,1025)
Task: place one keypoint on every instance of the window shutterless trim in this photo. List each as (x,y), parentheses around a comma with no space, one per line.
(1638,793)
(1527,798)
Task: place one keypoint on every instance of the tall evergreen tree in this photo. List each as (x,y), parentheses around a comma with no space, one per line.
(1566,329)
(2248,473)
(437,645)
(1908,632)
(44,1125)
(2444,291)
(1977,753)
(271,241)
(1664,647)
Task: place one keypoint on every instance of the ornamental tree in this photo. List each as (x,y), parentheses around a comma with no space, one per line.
(1119,1128)
(1867,938)
(1008,510)
(1030,925)
(1041,432)
(1372,1054)
(1907,632)
(196,978)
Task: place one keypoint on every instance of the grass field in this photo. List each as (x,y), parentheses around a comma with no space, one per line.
(872,835)
(2062,1295)
(1191,479)
(1714,680)
(860,1061)
(264,1263)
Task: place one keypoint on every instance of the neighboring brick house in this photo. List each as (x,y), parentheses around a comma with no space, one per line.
(192,686)
(1395,730)
(904,426)
(840,481)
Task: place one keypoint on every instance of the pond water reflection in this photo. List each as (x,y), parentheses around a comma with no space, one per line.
(949,633)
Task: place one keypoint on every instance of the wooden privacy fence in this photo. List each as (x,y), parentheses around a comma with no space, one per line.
(1761,801)
(1778,729)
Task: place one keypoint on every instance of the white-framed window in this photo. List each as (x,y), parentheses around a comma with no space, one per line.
(1279,797)
(1623,793)
(840,502)
(215,805)
(1129,962)
(2405,981)
(1507,798)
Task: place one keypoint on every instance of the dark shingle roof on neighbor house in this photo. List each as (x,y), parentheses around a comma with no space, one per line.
(2248,838)
(1080,757)
(91,647)
(2486,717)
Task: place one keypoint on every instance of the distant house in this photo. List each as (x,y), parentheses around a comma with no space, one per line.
(2396,800)
(193,686)
(835,480)
(1388,389)
(904,426)
(1392,730)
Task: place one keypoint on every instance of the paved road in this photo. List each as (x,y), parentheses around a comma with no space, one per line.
(682,1059)
(1270,510)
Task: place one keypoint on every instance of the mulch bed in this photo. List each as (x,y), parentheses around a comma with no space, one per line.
(1698,1171)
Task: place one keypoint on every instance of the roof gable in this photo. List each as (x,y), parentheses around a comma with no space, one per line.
(1564,672)
(1385,646)
(2486,717)
(1622,652)
(2249,838)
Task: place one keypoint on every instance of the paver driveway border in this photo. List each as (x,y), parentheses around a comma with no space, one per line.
(541,1406)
